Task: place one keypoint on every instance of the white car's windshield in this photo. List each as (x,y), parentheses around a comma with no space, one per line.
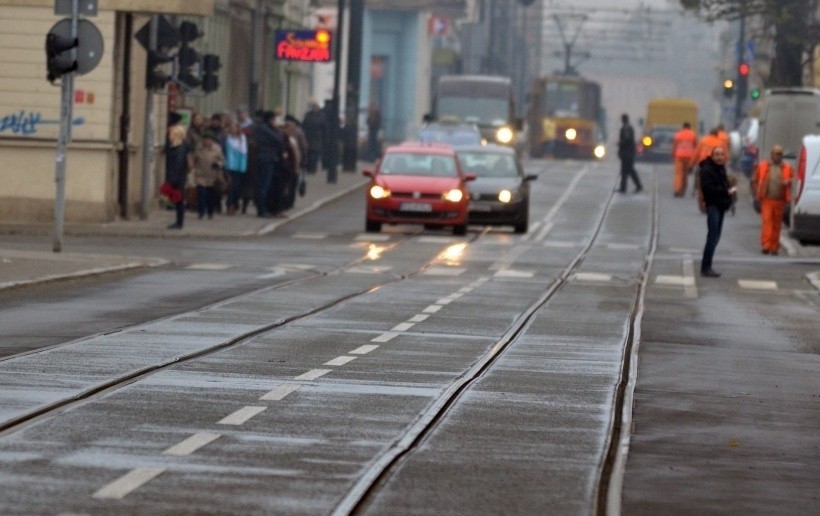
(488,164)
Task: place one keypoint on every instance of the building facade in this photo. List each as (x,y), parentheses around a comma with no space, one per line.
(104,178)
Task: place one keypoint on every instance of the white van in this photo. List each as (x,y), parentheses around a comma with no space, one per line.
(788,114)
(805,212)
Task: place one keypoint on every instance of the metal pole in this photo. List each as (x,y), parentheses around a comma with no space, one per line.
(332,146)
(66,113)
(742,80)
(148,132)
(354,65)
(253,94)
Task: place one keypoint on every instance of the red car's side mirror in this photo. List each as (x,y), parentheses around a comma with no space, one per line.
(367,172)
(469,176)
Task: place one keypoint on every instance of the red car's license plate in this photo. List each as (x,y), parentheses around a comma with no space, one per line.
(416,206)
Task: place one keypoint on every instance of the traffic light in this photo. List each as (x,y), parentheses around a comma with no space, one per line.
(210,65)
(728,88)
(743,69)
(755,93)
(188,58)
(59,60)
(156,78)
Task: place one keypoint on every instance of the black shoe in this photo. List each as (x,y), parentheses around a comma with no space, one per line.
(710,273)
(175,226)
(620,191)
(639,189)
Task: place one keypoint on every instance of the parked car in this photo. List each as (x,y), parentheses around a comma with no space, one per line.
(500,194)
(452,133)
(805,212)
(416,183)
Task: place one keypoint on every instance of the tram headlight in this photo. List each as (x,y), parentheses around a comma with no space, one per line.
(600,151)
(505,196)
(571,134)
(647,141)
(378,192)
(504,135)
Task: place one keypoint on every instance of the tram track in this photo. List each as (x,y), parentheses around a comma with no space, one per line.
(613,461)
(15,424)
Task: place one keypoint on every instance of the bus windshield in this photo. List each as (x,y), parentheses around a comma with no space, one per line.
(481,111)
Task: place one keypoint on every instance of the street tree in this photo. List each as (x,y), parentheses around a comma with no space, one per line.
(792,25)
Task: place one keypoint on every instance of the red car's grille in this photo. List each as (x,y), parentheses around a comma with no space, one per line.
(412,195)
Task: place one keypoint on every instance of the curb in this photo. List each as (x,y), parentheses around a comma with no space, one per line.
(97,271)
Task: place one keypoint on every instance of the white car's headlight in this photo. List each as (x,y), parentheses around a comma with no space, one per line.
(571,134)
(505,196)
(378,192)
(504,135)
(454,195)
(600,151)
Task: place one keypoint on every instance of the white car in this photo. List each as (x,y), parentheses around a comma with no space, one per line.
(805,212)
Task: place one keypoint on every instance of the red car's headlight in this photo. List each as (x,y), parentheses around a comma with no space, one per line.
(454,195)
(379,192)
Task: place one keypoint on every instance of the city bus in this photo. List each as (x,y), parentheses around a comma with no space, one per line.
(484,100)
(566,119)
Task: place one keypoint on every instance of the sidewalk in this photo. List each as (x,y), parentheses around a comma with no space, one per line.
(20,268)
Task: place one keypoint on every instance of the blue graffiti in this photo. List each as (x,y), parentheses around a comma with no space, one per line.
(27,123)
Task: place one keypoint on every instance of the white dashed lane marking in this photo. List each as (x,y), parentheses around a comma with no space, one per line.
(432,309)
(418,318)
(363,350)
(444,301)
(372,238)
(559,244)
(444,271)
(384,337)
(280,392)
(192,444)
(241,416)
(510,273)
(680,281)
(340,361)
(310,236)
(313,374)
(757,284)
(209,266)
(402,327)
(544,232)
(592,276)
(127,483)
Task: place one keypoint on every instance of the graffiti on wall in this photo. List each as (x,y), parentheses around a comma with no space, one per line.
(28,123)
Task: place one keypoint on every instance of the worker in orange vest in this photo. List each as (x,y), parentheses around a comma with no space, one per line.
(704,150)
(773,183)
(683,150)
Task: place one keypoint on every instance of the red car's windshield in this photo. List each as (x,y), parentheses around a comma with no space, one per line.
(418,164)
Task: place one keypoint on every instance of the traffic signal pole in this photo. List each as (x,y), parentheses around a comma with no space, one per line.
(66,113)
(742,79)
(148,130)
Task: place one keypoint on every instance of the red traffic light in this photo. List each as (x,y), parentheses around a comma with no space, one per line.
(743,69)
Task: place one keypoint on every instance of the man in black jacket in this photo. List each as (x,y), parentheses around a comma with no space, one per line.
(270,148)
(717,195)
(626,152)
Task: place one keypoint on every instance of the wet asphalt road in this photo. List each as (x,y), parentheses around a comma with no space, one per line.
(350,339)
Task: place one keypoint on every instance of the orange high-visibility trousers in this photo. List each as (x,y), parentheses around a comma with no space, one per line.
(682,166)
(771,214)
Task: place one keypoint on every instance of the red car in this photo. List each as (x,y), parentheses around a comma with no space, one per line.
(416,183)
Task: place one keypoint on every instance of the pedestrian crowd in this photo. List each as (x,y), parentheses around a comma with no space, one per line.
(227,164)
